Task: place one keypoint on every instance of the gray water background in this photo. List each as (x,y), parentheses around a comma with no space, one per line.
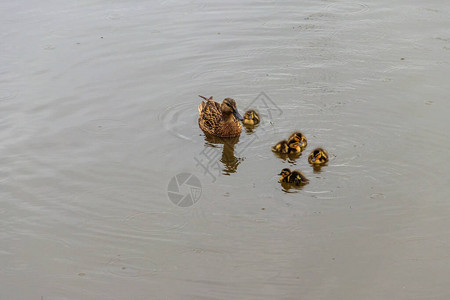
(98,104)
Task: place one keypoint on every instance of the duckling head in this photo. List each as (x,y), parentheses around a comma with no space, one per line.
(281,147)
(229,107)
(318,156)
(251,117)
(294,146)
(299,137)
(285,173)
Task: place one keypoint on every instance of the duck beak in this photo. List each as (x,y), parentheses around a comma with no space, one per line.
(280,174)
(237,115)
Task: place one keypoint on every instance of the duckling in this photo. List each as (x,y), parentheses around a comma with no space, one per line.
(299,137)
(284,147)
(318,156)
(294,147)
(219,119)
(251,117)
(294,177)
(281,147)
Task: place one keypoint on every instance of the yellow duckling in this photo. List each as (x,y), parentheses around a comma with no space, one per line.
(281,147)
(299,137)
(318,156)
(251,117)
(294,177)
(294,147)
(219,119)
(285,147)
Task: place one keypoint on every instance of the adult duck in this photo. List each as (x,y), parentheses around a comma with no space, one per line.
(221,120)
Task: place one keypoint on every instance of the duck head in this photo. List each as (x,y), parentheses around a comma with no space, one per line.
(285,173)
(228,107)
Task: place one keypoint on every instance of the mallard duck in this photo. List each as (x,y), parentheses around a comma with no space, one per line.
(299,137)
(318,156)
(285,147)
(251,117)
(219,119)
(294,177)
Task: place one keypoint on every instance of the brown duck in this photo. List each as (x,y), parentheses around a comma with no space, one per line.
(221,120)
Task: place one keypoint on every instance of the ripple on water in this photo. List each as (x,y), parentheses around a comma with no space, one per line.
(179,120)
(256,272)
(210,75)
(102,126)
(187,5)
(112,130)
(4,176)
(7,94)
(383,157)
(44,248)
(160,222)
(348,8)
(132,266)
(377,196)
(187,262)
(114,15)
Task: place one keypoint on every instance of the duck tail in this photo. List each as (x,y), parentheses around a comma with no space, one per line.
(201,107)
(207,99)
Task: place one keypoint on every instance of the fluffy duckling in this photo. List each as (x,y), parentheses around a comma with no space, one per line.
(285,147)
(300,138)
(294,147)
(281,147)
(251,117)
(294,177)
(318,156)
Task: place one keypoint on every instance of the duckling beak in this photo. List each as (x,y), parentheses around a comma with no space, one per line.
(237,115)
(280,174)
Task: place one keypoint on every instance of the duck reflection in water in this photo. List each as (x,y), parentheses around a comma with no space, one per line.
(249,129)
(317,168)
(289,157)
(228,159)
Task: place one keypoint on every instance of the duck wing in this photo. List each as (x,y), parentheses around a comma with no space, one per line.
(210,115)
(299,178)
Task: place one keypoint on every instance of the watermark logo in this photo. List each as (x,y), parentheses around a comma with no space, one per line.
(184,189)
(265,106)
(209,160)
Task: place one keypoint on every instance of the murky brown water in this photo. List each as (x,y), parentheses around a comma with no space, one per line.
(98,105)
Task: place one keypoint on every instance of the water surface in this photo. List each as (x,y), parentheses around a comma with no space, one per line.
(98,104)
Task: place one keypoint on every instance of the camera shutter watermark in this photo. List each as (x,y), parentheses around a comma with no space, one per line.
(184,189)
